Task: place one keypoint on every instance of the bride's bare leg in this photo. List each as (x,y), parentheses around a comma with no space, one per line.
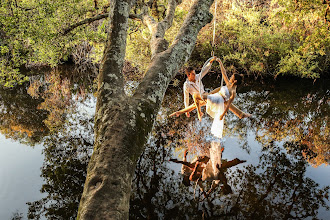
(239,113)
(215,90)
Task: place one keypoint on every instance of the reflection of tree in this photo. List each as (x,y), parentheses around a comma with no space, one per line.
(28,119)
(57,90)
(276,188)
(20,119)
(57,98)
(156,190)
(288,112)
(67,154)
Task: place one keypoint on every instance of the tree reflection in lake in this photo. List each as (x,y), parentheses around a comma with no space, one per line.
(60,94)
(286,111)
(20,119)
(52,111)
(67,152)
(290,123)
(275,188)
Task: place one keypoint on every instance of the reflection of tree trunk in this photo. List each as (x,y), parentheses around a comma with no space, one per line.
(151,192)
(262,197)
(293,198)
(122,123)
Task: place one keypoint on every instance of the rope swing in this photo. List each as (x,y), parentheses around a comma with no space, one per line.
(213,45)
(214,19)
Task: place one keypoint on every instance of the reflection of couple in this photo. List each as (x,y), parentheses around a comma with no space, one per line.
(204,168)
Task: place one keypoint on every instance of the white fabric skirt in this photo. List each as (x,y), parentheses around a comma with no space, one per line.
(215,107)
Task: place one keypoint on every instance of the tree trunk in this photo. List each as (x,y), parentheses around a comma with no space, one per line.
(122,123)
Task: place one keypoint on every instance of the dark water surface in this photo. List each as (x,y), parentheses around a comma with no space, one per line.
(47,138)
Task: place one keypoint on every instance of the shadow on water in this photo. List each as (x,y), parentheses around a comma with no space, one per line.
(288,134)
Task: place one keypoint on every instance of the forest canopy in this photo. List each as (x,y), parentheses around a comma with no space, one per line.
(257,38)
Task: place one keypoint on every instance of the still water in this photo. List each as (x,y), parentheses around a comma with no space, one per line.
(46,140)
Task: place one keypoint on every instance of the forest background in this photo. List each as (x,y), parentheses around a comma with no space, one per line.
(260,38)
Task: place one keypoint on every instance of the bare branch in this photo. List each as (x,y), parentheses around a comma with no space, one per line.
(85,21)
(95,18)
(168,20)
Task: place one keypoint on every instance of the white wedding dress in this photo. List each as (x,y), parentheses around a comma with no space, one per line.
(215,107)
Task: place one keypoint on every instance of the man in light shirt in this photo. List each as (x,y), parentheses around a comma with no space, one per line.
(195,87)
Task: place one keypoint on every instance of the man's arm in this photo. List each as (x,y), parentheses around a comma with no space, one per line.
(206,69)
(185,95)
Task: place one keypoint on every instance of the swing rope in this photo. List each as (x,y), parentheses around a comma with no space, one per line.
(212,52)
(214,22)
(214,19)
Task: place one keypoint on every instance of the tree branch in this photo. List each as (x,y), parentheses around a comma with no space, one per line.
(92,19)
(85,21)
(158,29)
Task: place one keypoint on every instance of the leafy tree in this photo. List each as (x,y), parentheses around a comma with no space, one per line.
(272,38)
(36,33)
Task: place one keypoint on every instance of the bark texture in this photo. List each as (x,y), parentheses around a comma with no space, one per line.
(122,123)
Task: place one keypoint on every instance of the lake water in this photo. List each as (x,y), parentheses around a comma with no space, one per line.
(46,141)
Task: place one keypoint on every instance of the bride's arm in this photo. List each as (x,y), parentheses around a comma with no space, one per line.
(224,73)
(232,97)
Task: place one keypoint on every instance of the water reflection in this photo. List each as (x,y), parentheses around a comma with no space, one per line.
(295,112)
(20,118)
(290,129)
(67,153)
(276,188)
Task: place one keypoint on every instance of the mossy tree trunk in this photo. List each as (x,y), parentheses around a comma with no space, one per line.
(123,123)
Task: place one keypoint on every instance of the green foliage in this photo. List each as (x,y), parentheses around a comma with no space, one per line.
(138,42)
(137,49)
(272,37)
(281,37)
(304,65)
(9,76)
(32,32)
